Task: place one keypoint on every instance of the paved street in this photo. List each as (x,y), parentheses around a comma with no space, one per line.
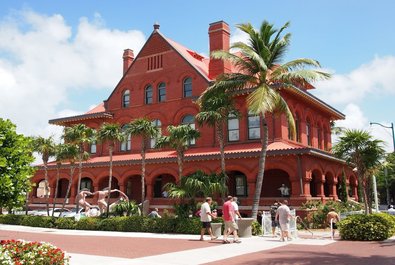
(96,247)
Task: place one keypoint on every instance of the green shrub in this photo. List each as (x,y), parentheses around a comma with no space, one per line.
(110,224)
(187,225)
(11,219)
(39,221)
(373,227)
(65,223)
(88,223)
(256,228)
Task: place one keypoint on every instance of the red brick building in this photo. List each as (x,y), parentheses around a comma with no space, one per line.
(161,83)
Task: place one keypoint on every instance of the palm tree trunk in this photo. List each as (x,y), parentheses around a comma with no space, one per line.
(259,179)
(46,186)
(79,177)
(142,174)
(109,181)
(68,187)
(221,141)
(180,156)
(56,189)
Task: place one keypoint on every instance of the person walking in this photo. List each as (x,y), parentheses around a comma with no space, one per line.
(205,218)
(273,212)
(231,227)
(283,216)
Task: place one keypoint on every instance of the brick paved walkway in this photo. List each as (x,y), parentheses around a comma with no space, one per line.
(95,247)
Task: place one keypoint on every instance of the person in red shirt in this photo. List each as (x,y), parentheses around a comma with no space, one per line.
(230,224)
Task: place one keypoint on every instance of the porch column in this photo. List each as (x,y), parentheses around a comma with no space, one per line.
(320,186)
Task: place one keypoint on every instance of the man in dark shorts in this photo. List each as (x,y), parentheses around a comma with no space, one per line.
(205,218)
(332,215)
(273,211)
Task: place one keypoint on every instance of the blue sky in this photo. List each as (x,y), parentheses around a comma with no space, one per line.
(59,58)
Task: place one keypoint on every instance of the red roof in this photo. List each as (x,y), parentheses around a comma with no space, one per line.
(97,109)
(196,152)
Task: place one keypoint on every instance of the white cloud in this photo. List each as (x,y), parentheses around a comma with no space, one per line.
(376,77)
(42,61)
(238,36)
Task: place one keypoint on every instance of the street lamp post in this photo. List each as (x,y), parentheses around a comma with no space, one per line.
(388,127)
(385,169)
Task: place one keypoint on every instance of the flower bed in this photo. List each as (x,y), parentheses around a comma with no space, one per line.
(18,252)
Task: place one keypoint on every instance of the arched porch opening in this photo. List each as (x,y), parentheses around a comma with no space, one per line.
(103,183)
(272,181)
(315,183)
(133,188)
(237,184)
(62,187)
(159,182)
(40,191)
(329,181)
(87,184)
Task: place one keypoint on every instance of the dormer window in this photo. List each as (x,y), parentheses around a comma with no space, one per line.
(126,99)
(187,87)
(148,94)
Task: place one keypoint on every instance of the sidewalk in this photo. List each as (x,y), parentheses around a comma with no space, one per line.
(195,252)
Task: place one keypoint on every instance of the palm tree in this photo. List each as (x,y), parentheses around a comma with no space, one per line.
(45,147)
(196,185)
(145,129)
(359,149)
(79,135)
(261,74)
(179,138)
(110,133)
(70,154)
(215,109)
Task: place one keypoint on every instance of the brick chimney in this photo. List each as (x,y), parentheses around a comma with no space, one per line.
(128,58)
(219,36)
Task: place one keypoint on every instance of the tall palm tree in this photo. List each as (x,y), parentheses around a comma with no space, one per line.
(198,184)
(179,138)
(69,154)
(145,129)
(359,149)
(45,147)
(110,133)
(79,134)
(261,73)
(215,109)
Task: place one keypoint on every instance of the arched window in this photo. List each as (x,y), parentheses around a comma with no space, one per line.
(187,87)
(126,99)
(297,128)
(190,120)
(158,125)
(127,143)
(162,92)
(233,128)
(308,132)
(319,137)
(254,126)
(148,94)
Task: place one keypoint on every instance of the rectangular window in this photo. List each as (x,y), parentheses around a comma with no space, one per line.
(308,133)
(254,128)
(233,129)
(240,186)
(93,148)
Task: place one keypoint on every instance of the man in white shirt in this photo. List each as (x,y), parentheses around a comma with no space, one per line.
(283,216)
(235,205)
(206,217)
(391,210)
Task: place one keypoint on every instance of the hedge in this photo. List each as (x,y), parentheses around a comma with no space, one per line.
(372,227)
(166,224)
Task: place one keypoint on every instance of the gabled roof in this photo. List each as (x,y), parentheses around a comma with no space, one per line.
(96,112)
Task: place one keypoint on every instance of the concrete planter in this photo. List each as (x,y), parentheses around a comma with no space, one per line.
(245,229)
(217,229)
